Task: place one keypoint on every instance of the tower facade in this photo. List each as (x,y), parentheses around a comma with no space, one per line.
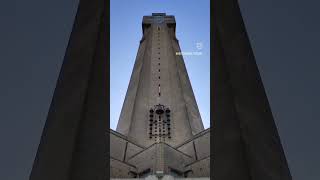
(160,130)
(159,104)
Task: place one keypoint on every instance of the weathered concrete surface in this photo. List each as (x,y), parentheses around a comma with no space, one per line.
(198,147)
(121,169)
(246,143)
(120,151)
(73,143)
(159,76)
(199,168)
(166,159)
(131,160)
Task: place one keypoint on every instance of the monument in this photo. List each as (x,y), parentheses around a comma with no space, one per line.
(160,131)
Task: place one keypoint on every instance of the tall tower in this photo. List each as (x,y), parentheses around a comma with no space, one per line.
(160,130)
(159,104)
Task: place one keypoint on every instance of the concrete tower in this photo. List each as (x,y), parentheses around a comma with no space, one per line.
(160,129)
(160,132)
(159,99)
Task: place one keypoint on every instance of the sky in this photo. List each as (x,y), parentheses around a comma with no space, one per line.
(193,26)
(284,36)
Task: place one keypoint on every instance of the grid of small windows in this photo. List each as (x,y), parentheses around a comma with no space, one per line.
(159,123)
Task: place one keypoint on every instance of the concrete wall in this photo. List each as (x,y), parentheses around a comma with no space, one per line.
(127,158)
(200,168)
(121,148)
(121,169)
(198,147)
(171,158)
(120,151)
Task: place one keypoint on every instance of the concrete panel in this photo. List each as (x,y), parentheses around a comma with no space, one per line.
(202,146)
(188,148)
(175,159)
(132,149)
(145,159)
(170,157)
(200,168)
(117,147)
(120,169)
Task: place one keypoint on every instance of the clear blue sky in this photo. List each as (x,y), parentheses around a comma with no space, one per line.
(193,26)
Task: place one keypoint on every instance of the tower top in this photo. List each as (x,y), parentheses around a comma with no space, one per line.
(168,19)
(158,14)
(159,18)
